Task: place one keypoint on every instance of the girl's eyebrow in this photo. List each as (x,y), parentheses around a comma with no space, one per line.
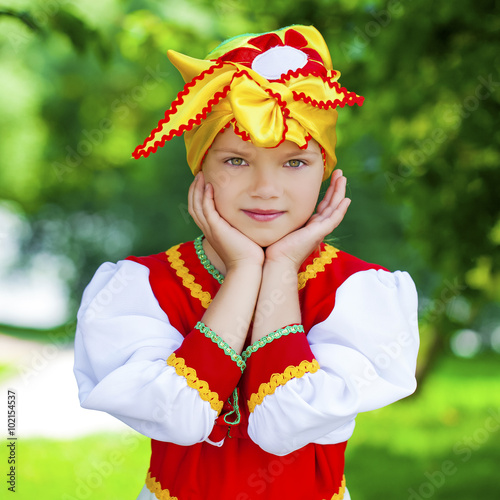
(301,152)
(232,151)
(248,152)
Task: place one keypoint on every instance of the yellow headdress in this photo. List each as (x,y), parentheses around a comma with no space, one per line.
(272,87)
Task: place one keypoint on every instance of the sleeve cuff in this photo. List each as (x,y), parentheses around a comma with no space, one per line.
(209,365)
(274,360)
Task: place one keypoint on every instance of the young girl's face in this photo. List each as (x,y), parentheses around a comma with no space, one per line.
(265,193)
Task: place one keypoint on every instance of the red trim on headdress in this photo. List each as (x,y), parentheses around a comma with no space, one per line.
(282,104)
(304,72)
(244,135)
(285,113)
(349,98)
(307,138)
(323,153)
(141,151)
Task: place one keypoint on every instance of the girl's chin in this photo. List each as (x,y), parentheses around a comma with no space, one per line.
(264,241)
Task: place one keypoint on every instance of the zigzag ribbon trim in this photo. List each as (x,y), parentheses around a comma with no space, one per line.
(193,381)
(278,379)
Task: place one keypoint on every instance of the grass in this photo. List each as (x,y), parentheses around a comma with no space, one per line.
(107,467)
(440,444)
(6,371)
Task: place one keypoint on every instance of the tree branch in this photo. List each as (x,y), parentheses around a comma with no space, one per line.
(24,17)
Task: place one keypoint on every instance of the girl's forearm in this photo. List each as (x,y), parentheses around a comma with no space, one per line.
(278,301)
(230,312)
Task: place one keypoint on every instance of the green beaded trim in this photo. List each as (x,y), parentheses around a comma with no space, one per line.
(267,339)
(223,345)
(198,246)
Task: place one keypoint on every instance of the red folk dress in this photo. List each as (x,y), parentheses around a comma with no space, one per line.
(271,425)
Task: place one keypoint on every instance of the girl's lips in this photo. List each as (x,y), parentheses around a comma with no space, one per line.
(263,215)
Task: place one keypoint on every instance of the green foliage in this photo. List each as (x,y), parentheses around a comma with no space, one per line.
(102,466)
(82,84)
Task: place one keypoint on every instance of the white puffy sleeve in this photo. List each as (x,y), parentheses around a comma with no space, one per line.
(362,357)
(123,340)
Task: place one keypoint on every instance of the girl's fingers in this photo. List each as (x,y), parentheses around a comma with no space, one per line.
(329,192)
(208,206)
(336,216)
(191,209)
(339,213)
(338,193)
(214,223)
(197,202)
(326,199)
(329,219)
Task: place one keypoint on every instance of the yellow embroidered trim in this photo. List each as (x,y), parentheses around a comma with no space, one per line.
(155,487)
(174,257)
(311,271)
(278,379)
(318,265)
(341,492)
(193,381)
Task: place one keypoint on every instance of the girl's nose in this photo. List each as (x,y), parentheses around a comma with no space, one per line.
(265,183)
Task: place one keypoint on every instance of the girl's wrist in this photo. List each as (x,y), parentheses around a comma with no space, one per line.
(284,265)
(244,270)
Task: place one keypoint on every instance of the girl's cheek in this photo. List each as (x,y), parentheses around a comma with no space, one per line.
(220,180)
(218,199)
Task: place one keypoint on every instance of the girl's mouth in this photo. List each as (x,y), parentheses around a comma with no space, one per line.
(263,215)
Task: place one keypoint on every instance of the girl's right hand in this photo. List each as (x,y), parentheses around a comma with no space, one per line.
(233,247)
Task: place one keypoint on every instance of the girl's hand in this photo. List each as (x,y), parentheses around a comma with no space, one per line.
(233,247)
(295,247)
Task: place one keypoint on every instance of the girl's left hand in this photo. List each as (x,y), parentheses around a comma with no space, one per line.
(296,246)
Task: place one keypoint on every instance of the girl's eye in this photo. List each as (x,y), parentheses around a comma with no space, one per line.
(294,163)
(236,162)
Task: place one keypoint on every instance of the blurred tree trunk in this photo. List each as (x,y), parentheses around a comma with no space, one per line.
(435,352)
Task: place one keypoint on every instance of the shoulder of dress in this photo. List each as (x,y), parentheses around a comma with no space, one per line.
(347,266)
(344,264)
(174,252)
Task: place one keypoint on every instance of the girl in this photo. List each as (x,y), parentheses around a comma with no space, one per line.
(246,354)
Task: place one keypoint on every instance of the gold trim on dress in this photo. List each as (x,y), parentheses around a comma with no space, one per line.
(278,379)
(318,265)
(174,257)
(154,486)
(340,494)
(193,381)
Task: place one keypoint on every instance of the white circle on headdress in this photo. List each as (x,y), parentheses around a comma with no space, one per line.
(279,60)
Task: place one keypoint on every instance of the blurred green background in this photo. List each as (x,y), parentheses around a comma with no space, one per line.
(82,83)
